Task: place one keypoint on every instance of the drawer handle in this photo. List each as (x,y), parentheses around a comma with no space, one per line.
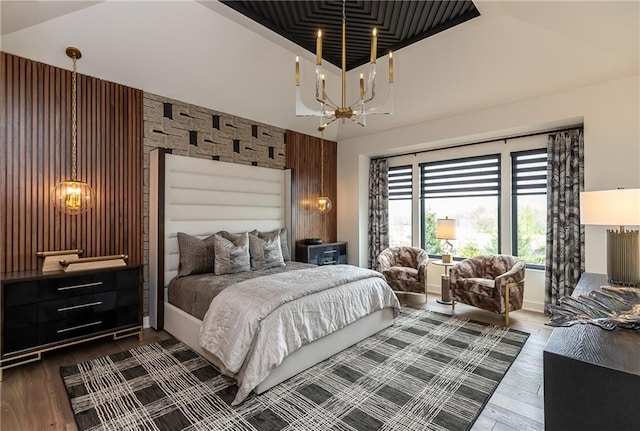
(78,286)
(330,251)
(91,304)
(329,262)
(60,331)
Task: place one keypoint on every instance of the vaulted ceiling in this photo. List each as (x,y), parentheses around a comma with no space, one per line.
(206,53)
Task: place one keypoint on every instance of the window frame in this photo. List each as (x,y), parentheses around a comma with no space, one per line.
(404,193)
(514,196)
(493,157)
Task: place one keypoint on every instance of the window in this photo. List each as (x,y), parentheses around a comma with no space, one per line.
(400,202)
(467,190)
(529,205)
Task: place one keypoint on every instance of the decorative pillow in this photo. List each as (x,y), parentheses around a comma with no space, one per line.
(231,253)
(284,244)
(265,253)
(196,255)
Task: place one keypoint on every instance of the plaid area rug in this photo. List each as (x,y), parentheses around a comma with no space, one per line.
(426,372)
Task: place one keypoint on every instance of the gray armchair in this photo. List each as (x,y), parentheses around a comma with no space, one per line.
(493,282)
(405,268)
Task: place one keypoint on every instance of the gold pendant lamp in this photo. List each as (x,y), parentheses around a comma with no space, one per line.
(72,196)
(323,203)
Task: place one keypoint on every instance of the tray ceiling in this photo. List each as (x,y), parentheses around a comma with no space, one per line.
(399,23)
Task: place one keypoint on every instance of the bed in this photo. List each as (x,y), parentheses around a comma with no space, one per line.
(199,198)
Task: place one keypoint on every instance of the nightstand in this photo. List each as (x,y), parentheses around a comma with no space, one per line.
(330,253)
(46,311)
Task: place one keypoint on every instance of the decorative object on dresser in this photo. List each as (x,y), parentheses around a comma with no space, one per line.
(492,282)
(46,311)
(329,253)
(87,263)
(608,307)
(616,208)
(404,268)
(51,259)
(591,376)
(427,371)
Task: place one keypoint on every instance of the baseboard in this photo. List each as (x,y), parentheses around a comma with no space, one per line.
(538,307)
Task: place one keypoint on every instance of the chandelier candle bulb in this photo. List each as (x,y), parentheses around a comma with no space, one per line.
(361,85)
(297,71)
(374,45)
(390,66)
(319,48)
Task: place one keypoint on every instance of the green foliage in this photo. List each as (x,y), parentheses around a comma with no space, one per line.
(528,228)
(470,249)
(432,244)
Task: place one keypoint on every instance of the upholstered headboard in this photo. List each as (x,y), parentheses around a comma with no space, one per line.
(201,197)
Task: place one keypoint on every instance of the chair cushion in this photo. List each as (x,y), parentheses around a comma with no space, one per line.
(401,273)
(479,286)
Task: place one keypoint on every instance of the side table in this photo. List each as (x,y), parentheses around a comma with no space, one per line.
(445,298)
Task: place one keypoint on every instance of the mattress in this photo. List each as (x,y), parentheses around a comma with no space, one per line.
(194,293)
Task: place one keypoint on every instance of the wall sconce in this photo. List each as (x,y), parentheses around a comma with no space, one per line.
(446,229)
(72,196)
(610,208)
(323,203)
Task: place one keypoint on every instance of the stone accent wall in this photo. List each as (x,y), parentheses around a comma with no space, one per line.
(191,130)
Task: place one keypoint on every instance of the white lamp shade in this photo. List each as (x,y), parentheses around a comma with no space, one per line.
(446,228)
(619,207)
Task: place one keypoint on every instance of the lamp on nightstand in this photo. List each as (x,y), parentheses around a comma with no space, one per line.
(619,207)
(446,230)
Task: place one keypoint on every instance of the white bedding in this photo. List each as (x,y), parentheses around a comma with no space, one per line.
(253,325)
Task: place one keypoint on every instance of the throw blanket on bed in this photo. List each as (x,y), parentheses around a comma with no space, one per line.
(253,325)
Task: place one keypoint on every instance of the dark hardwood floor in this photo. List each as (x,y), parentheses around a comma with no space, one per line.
(33,397)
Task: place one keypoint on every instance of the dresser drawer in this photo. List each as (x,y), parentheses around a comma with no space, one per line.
(76,307)
(76,285)
(330,254)
(75,327)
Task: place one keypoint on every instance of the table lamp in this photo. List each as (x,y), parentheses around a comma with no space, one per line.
(619,207)
(446,229)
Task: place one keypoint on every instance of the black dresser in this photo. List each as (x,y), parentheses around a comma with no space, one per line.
(592,376)
(330,253)
(44,311)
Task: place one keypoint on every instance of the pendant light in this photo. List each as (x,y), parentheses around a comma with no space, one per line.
(323,203)
(72,196)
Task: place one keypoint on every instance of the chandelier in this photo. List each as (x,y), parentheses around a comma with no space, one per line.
(72,196)
(330,111)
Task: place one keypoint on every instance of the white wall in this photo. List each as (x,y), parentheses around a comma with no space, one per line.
(611,115)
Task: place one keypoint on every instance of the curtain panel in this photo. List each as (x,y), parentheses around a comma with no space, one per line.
(565,235)
(378,209)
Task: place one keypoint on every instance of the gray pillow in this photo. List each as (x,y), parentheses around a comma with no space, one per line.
(231,253)
(265,253)
(284,244)
(196,255)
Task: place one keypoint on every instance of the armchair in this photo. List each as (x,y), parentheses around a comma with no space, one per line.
(493,282)
(405,268)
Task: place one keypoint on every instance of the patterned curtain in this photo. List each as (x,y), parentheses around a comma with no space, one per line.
(378,209)
(565,235)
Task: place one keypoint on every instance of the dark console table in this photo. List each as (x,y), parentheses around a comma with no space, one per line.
(592,376)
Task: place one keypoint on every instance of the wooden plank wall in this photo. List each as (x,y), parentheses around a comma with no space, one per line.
(303,156)
(35,154)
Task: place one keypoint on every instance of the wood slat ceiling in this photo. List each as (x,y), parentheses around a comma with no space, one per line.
(399,23)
